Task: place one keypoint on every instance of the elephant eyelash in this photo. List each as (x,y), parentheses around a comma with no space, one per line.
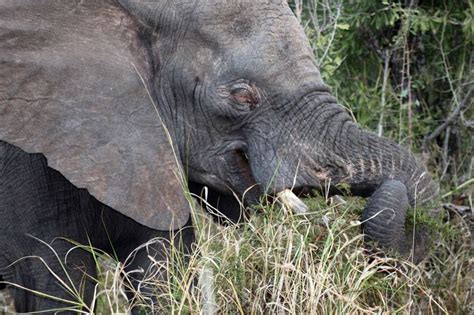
(244,93)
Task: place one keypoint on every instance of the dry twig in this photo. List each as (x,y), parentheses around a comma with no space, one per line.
(451,119)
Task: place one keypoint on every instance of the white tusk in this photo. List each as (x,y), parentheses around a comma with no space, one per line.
(292,202)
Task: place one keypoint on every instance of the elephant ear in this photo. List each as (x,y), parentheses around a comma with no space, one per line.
(76,85)
(160,15)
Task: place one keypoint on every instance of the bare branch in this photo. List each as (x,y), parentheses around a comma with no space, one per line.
(386,71)
(451,118)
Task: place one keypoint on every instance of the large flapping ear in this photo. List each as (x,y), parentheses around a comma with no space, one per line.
(76,85)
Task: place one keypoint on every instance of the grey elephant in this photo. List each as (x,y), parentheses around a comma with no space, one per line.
(110,109)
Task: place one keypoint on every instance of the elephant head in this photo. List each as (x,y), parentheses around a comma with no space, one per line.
(130,99)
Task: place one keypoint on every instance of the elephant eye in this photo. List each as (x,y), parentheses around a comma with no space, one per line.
(245,94)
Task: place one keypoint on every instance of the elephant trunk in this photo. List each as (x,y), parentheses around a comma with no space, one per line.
(372,160)
(343,153)
(334,148)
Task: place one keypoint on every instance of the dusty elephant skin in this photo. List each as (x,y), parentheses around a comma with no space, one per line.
(104,105)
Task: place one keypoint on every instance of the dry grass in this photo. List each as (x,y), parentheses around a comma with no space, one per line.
(316,263)
(278,262)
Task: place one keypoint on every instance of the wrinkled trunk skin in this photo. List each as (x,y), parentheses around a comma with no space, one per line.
(371,160)
(345,153)
(333,150)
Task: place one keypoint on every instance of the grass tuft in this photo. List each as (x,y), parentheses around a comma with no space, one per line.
(279,262)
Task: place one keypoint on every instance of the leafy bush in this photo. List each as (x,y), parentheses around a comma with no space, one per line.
(402,67)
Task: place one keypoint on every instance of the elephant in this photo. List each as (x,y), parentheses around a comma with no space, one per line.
(112,110)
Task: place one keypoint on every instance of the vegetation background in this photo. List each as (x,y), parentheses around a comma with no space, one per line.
(404,69)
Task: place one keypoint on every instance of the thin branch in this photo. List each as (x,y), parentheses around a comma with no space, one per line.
(386,71)
(410,93)
(373,43)
(333,34)
(451,118)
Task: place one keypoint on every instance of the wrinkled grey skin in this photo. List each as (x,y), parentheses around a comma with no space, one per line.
(237,87)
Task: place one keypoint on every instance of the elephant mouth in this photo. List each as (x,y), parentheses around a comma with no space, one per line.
(241,178)
(234,175)
(243,164)
(252,193)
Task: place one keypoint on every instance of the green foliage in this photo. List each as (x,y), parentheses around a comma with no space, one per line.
(424,48)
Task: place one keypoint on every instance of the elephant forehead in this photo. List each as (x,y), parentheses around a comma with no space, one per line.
(238,17)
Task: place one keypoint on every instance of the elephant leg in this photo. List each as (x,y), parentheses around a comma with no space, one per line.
(38,201)
(146,256)
(27,272)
